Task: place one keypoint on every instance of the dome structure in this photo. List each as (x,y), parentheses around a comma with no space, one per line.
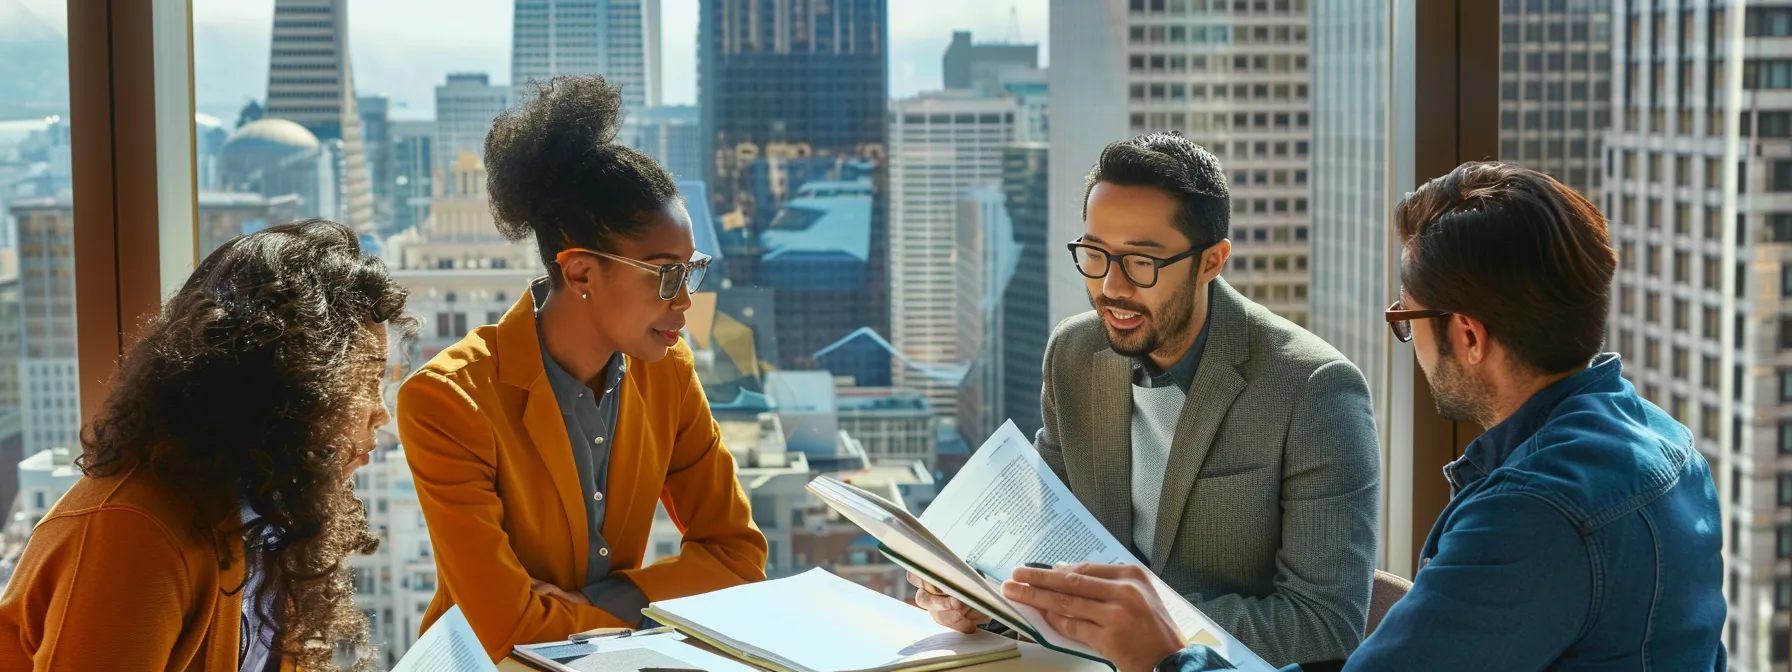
(263,144)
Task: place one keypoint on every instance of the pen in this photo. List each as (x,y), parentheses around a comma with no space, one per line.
(1039,565)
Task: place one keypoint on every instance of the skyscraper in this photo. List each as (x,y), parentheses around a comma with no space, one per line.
(1555,89)
(310,82)
(376,125)
(618,39)
(1026,311)
(792,91)
(1350,185)
(970,65)
(1671,316)
(465,107)
(941,144)
(48,370)
(1232,76)
(673,135)
(984,262)
(413,171)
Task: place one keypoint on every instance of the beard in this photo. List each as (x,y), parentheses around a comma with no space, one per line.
(1158,328)
(1457,395)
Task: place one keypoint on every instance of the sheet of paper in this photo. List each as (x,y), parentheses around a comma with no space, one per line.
(1006,508)
(448,646)
(819,621)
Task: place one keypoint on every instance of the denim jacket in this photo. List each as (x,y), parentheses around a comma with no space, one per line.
(1583,534)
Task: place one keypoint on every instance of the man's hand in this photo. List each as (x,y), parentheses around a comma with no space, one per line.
(945,609)
(1112,608)
(544,588)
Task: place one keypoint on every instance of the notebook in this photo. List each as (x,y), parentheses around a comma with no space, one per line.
(819,622)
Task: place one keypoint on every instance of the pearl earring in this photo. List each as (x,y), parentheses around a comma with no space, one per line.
(584,295)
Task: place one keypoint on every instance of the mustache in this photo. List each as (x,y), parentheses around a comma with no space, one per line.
(1128,306)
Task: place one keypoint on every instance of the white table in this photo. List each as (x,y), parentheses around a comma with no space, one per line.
(1033,658)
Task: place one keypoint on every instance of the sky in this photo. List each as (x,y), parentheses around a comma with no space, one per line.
(404,48)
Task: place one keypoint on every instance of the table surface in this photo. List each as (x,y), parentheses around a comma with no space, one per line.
(1033,658)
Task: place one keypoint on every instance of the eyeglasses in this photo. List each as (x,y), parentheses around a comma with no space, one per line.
(1139,269)
(1400,320)
(688,273)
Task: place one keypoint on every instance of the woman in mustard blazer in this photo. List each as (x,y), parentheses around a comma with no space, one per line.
(540,445)
(210,529)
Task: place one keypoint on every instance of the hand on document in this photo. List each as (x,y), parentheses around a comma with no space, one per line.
(1113,608)
(945,609)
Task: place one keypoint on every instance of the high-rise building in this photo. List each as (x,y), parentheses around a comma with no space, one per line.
(618,39)
(792,91)
(673,135)
(376,125)
(310,82)
(48,367)
(395,584)
(1663,191)
(413,172)
(816,259)
(1231,76)
(985,262)
(1350,184)
(11,333)
(941,144)
(1555,89)
(968,65)
(465,108)
(1025,317)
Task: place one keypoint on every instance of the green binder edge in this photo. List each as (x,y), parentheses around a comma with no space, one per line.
(986,609)
(689,631)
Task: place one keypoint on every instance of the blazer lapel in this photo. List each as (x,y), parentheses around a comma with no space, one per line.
(520,364)
(1217,383)
(1109,463)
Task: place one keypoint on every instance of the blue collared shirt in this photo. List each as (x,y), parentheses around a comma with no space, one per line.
(1182,373)
(1583,533)
(590,413)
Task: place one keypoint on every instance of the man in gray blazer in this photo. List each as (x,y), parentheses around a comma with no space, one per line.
(1235,451)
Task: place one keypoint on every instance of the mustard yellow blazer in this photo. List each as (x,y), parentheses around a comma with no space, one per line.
(115,579)
(495,477)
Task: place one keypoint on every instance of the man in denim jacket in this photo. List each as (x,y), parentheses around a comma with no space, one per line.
(1583,532)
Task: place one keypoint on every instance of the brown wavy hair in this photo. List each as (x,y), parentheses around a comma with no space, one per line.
(242,389)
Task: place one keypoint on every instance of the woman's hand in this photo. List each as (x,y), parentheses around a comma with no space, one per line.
(544,588)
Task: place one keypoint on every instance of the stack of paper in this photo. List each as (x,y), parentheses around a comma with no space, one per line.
(818,622)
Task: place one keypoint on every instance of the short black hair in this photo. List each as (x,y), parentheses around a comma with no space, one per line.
(1511,247)
(1176,166)
(555,171)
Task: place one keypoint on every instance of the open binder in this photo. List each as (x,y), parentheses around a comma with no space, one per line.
(1004,509)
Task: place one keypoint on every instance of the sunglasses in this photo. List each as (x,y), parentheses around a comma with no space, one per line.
(686,274)
(1400,320)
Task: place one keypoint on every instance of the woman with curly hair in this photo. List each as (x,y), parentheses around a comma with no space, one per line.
(212,523)
(540,444)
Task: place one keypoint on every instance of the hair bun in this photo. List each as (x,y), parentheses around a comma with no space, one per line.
(538,148)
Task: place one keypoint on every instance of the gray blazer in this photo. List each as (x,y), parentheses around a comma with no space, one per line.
(1271,498)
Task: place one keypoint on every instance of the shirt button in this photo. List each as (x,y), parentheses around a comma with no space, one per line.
(597,496)
(603,552)
(598,440)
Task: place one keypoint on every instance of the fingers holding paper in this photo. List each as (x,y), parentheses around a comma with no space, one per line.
(1112,608)
(945,609)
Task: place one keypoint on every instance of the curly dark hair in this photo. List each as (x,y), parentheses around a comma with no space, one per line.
(241,390)
(555,171)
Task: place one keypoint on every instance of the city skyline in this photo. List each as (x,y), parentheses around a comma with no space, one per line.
(403,52)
